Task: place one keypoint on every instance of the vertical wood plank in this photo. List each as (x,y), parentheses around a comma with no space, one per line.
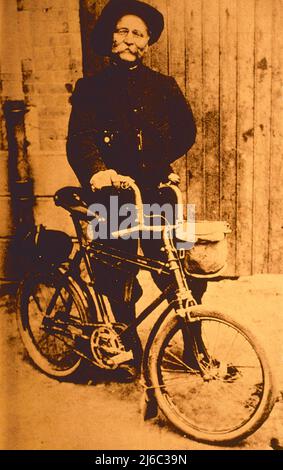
(194,93)
(211,107)
(89,12)
(245,135)
(159,51)
(177,66)
(275,261)
(4,180)
(176,49)
(228,86)
(263,34)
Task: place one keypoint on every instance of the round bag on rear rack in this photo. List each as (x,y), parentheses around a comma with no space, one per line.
(208,255)
(50,247)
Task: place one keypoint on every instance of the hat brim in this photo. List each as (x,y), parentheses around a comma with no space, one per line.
(102,34)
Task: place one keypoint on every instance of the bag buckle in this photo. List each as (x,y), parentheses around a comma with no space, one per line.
(181,253)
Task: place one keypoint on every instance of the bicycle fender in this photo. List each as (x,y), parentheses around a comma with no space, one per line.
(80,289)
(150,340)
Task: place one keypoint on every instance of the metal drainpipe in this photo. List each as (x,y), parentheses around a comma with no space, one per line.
(20,181)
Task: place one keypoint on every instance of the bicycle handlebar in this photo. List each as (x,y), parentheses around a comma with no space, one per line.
(138,200)
(140,212)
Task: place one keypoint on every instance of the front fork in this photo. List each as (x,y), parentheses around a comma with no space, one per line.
(194,348)
(184,297)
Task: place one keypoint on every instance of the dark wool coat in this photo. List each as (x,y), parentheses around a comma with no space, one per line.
(136,122)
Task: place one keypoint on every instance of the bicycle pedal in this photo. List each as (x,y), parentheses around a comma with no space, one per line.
(122,357)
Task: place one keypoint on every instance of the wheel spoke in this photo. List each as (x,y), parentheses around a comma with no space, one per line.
(179,361)
(172,379)
(216,340)
(36,301)
(231,345)
(180,372)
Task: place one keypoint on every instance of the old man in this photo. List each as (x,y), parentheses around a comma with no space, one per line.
(128,120)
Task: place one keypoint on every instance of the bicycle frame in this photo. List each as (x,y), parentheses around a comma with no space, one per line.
(95,251)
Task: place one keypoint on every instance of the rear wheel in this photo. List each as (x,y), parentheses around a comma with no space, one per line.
(217,388)
(46,303)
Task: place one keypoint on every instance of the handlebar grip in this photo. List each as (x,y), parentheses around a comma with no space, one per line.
(125,185)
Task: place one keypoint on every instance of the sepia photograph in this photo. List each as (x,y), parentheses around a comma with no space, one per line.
(141,227)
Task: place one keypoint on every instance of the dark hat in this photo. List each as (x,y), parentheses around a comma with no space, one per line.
(101,36)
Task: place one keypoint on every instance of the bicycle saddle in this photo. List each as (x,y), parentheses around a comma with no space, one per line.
(74,200)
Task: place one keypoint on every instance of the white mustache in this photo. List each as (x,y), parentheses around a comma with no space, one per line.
(126,49)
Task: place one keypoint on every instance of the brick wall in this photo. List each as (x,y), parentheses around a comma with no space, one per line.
(40,63)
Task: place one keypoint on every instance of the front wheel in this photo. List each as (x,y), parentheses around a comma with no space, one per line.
(211,378)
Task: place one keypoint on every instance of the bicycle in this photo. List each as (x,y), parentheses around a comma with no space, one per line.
(206,373)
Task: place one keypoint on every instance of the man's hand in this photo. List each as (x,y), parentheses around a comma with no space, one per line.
(122,181)
(102,179)
(106,178)
(174,178)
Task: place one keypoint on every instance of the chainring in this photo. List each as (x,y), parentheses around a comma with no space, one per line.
(105,344)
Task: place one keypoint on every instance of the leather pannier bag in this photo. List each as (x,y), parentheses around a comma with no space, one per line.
(208,255)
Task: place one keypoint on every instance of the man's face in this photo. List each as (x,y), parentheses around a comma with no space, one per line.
(130,38)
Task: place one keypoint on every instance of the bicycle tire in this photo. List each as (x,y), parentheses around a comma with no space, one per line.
(198,411)
(30,292)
